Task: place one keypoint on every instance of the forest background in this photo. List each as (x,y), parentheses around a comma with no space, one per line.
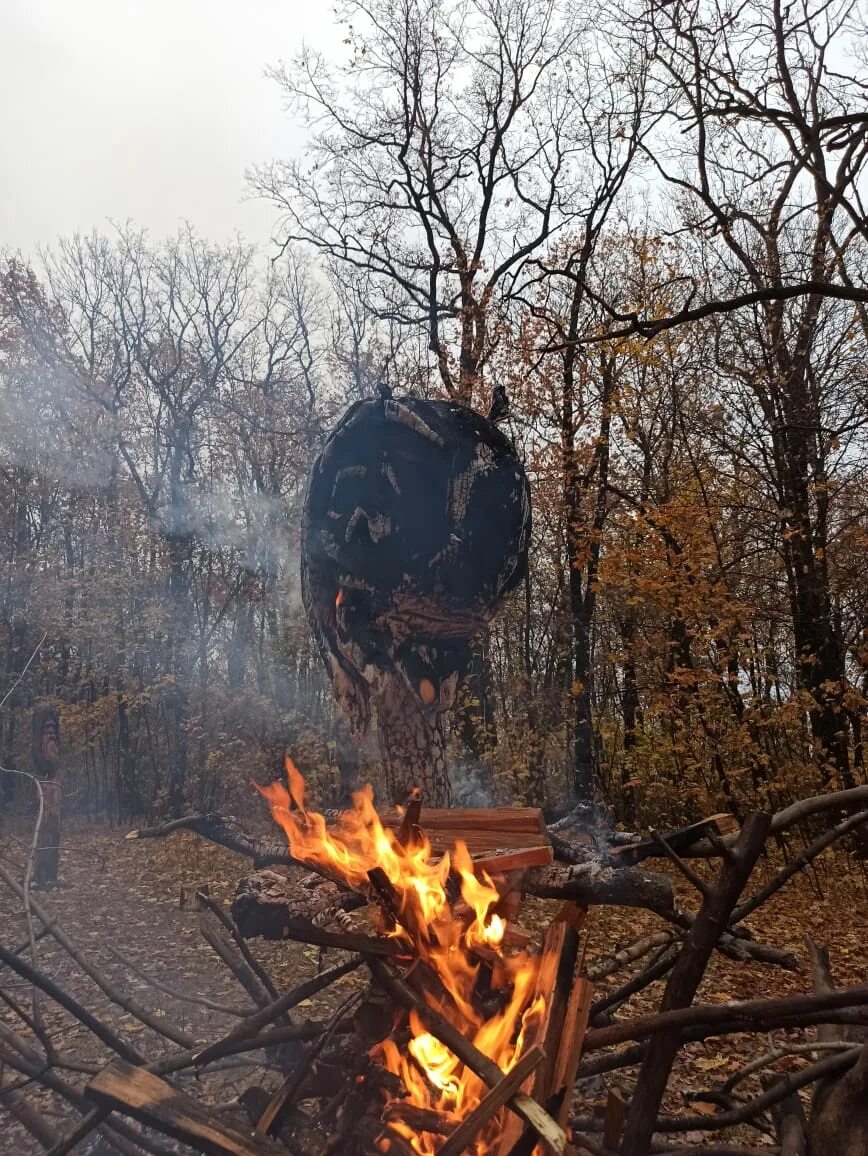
(646,221)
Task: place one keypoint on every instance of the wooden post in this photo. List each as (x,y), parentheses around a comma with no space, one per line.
(46,762)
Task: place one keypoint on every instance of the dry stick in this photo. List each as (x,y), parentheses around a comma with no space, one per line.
(790,1124)
(200,1000)
(629,954)
(798,864)
(226,950)
(492,1102)
(267,1015)
(831,1066)
(270,1038)
(737,1015)
(127,1002)
(31,859)
(478,1063)
(686,870)
(99,1029)
(230,925)
(655,970)
(281,1103)
(776,1054)
(29,1117)
(834,801)
(629,1057)
(685,978)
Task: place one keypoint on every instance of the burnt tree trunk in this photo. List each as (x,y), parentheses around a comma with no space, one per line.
(416,525)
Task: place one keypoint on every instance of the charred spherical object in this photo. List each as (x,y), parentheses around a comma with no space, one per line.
(416,525)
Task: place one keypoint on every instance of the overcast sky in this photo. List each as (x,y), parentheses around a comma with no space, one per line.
(147,110)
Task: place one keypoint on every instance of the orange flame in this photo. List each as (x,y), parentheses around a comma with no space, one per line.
(453,943)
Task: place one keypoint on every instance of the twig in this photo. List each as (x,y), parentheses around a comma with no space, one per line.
(686,870)
(155,1023)
(747,1013)
(798,864)
(831,1066)
(28,869)
(684,980)
(229,923)
(281,1103)
(265,1016)
(99,1029)
(200,1000)
(776,1054)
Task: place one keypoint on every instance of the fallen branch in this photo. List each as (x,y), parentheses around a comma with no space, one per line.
(744,1015)
(798,864)
(268,1014)
(128,1003)
(684,980)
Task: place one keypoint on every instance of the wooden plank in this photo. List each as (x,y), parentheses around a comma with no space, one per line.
(616,1113)
(144,1096)
(499,863)
(491,1103)
(572,1039)
(479,823)
(559,936)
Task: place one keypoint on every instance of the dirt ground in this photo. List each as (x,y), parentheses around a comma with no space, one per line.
(124,903)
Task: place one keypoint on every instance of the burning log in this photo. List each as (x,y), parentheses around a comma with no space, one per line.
(416,524)
(476,1061)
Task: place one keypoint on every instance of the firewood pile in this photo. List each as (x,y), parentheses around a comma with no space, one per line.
(463,1036)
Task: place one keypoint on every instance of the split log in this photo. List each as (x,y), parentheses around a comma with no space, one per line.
(561,1031)
(478,1063)
(134,1092)
(492,1102)
(416,524)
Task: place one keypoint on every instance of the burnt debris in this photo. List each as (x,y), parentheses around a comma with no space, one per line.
(417,523)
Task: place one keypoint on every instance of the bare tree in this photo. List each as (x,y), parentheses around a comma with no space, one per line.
(441,158)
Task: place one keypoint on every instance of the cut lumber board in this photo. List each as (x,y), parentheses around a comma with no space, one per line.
(491,1103)
(483,829)
(134,1092)
(555,982)
(502,862)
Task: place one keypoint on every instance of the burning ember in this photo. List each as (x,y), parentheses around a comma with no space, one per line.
(443,913)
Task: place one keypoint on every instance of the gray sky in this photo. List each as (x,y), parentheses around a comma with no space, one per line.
(147,110)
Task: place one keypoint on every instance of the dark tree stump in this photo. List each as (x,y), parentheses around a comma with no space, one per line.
(417,523)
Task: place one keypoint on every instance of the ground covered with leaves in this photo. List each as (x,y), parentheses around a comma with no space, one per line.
(129,905)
